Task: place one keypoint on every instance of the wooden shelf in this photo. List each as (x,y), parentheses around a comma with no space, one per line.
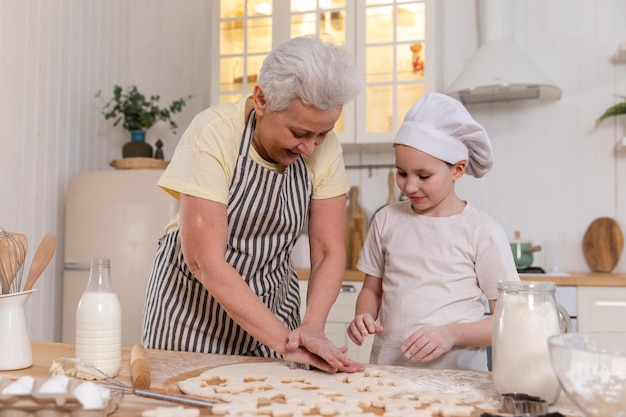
(582,279)
(349,275)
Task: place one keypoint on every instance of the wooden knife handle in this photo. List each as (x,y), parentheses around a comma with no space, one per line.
(139,367)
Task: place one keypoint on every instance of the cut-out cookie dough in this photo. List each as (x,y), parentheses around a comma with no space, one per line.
(272,389)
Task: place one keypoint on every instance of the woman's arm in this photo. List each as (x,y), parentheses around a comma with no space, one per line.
(204,233)
(327,226)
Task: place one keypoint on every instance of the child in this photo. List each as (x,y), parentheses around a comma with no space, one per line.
(430,260)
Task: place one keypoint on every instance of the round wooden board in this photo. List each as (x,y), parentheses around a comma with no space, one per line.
(603,244)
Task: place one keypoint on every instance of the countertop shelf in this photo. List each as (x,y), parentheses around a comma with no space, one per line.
(580,279)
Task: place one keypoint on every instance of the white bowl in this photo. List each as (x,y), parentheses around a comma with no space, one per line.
(591,368)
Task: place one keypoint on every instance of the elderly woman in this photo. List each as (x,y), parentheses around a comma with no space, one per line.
(248,176)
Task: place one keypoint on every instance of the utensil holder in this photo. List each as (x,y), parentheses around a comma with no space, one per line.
(15,348)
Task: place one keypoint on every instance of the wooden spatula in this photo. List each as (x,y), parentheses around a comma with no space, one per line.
(40,261)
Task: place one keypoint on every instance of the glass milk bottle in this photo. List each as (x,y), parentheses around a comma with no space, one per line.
(526,315)
(99,321)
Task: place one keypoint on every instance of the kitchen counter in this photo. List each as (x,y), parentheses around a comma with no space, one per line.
(580,279)
(169,367)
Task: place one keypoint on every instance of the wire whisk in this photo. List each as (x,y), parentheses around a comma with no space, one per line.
(78,368)
(13,248)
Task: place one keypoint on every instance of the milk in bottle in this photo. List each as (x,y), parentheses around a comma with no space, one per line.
(99,321)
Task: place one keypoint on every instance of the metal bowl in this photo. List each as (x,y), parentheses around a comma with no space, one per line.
(591,368)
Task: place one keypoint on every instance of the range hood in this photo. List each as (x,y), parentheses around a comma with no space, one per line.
(500,70)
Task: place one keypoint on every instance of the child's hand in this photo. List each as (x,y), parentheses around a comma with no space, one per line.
(428,343)
(361,326)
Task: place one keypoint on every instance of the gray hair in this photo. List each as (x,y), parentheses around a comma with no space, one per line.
(317,72)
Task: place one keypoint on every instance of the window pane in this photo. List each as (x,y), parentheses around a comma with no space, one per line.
(231,8)
(332,4)
(408,94)
(340,125)
(254,63)
(230,68)
(410,21)
(259,7)
(379,105)
(231,40)
(333,25)
(379,63)
(378,24)
(303,24)
(259,35)
(410,61)
(303,5)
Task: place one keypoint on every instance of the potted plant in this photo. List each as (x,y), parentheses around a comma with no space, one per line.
(138,113)
(614,110)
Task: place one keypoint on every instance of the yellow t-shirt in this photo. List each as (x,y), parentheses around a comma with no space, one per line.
(204,161)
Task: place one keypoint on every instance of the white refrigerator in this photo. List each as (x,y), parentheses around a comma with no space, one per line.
(119,215)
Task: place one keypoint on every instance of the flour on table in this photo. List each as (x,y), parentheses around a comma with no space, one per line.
(272,389)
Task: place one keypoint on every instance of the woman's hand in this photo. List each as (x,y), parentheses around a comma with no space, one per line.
(313,348)
(361,326)
(428,343)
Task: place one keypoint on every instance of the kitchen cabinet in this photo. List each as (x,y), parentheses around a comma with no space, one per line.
(600,309)
(391,41)
(339,317)
(598,299)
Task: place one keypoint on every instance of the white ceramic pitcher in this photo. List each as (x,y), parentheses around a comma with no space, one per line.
(15,349)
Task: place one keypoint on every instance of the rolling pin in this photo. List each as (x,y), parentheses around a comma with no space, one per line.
(139,367)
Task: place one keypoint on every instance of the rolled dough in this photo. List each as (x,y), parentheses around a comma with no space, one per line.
(274,389)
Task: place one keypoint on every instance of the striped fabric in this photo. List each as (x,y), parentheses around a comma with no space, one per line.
(266,214)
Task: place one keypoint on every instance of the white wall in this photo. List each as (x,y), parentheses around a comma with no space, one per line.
(554,173)
(54,57)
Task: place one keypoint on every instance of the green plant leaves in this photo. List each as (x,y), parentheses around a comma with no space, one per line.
(136,112)
(615,110)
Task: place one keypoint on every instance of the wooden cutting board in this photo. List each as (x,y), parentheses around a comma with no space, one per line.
(391,198)
(603,244)
(356,228)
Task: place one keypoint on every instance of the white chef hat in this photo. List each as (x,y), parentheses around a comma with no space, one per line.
(440,126)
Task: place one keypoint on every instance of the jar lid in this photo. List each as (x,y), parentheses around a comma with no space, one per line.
(526,286)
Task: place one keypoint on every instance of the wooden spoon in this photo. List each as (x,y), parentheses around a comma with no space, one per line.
(40,261)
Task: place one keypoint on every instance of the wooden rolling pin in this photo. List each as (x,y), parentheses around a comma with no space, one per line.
(139,367)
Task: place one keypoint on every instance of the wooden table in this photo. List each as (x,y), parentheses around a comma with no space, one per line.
(169,367)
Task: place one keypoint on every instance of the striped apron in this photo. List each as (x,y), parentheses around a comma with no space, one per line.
(266,214)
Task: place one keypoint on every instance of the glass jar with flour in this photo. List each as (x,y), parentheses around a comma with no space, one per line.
(526,315)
